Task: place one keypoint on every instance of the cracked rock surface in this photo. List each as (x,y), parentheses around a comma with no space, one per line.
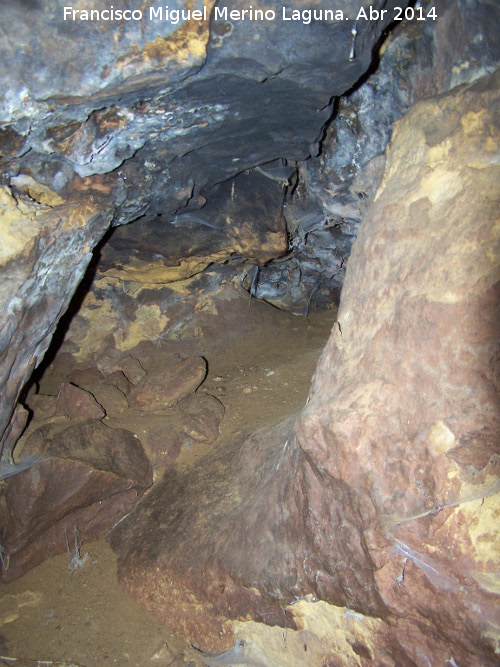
(162,113)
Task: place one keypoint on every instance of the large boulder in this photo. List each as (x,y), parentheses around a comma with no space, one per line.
(380,496)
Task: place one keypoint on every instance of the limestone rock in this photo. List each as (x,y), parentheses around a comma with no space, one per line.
(360,500)
(166,387)
(77,403)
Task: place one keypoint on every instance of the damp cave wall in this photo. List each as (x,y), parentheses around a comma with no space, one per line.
(162,112)
(147,141)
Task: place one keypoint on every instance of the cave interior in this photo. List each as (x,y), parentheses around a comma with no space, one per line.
(250,326)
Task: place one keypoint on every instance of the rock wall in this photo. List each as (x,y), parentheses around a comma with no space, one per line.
(149,276)
(105,122)
(381,496)
(418,59)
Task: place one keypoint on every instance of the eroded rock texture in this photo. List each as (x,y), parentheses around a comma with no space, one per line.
(417,60)
(163,112)
(381,496)
(85,478)
(159,276)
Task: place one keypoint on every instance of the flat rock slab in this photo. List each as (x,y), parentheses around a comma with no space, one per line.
(109,397)
(129,366)
(166,387)
(119,380)
(84,377)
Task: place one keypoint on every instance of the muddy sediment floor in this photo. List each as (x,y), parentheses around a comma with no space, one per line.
(83,617)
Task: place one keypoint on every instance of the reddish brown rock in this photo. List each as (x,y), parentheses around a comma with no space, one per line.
(129,366)
(203,427)
(109,449)
(162,438)
(90,477)
(112,400)
(244,535)
(77,403)
(364,500)
(83,377)
(201,417)
(166,387)
(92,522)
(43,406)
(201,402)
(118,379)
(163,351)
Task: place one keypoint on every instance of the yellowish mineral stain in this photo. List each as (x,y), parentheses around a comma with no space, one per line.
(474,122)
(102,320)
(440,185)
(441,438)
(325,632)
(439,154)
(187,43)
(490,581)
(149,324)
(37,191)
(491,145)
(482,518)
(79,216)
(157,273)
(16,228)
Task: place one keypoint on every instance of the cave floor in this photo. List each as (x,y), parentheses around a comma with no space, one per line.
(83,617)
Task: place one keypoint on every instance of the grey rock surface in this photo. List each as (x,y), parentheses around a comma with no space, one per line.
(103,122)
